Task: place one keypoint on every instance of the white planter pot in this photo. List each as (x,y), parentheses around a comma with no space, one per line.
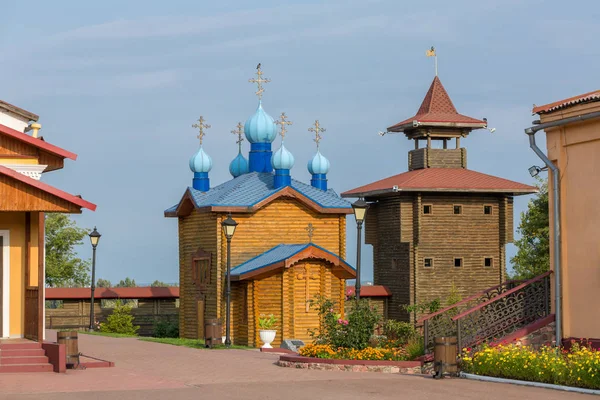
(267,337)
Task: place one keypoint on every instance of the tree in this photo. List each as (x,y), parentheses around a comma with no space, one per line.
(533,248)
(104,283)
(158,283)
(128,282)
(63,267)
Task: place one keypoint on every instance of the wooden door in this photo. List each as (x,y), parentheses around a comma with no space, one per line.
(307,285)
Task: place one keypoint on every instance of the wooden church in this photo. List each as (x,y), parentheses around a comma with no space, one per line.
(289,245)
(439,225)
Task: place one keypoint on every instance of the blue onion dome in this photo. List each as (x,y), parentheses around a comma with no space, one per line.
(319,164)
(200,162)
(260,127)
(239,166)
(282,159)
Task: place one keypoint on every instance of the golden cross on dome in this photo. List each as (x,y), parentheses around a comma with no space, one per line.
(311,231)
(259,81)
(201,126)
(282,123)
(239,131)
(317,130)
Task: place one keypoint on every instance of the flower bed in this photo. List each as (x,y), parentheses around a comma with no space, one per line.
(326,351)
(579,367)
(406,367)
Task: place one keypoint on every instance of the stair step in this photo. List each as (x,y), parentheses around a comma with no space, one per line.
(23,360)
(22,352)
(20,346)
(26,368)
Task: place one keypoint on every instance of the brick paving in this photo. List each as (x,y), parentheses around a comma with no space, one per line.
(147,370)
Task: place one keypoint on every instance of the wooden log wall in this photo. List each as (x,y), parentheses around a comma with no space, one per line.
(197,231)
(75,314)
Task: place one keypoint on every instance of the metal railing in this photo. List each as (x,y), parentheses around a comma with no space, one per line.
(441,322)
(504,314)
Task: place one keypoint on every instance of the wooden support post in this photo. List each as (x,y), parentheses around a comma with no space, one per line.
(428,141)
(445,144)
(41,277)
(416,144)
(458,142)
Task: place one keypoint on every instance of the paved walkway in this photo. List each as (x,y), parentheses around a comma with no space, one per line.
(158,371)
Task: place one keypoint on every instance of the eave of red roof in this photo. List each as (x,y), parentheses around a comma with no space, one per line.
(571,101)
(78,201)
(441,180)
(37,142)
(437,110)
(112,293)
(370,291)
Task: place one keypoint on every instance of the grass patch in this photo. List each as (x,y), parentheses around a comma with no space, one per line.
(109,334)
(192,343)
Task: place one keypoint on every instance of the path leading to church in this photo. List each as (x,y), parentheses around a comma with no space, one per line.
(156,371)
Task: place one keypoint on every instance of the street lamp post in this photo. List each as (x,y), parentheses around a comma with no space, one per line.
(228,226)
(94,239)
(360,209)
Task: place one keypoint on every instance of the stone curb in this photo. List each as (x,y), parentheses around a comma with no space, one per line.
(528,383)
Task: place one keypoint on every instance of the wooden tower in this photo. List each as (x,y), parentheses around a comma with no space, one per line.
(439,225)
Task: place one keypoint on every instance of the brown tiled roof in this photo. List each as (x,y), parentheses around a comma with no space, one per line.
(437,109)
(571,101)
(441,180)
(112,293)
(370,291)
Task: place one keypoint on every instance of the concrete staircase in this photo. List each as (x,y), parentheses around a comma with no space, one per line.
(23,356)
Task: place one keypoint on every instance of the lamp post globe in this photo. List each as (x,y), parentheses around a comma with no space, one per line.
(360,208)
(94,239)
(228,226)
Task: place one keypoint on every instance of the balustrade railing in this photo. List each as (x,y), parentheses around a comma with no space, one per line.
(441,322)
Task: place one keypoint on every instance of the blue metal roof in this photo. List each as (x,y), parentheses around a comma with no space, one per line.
(249,189)
(277,254)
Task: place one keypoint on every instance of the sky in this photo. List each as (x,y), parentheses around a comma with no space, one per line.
(121,82)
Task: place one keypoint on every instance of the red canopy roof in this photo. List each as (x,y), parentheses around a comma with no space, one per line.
(437,110)
(441,180)
(78,201)
(571,101)
(112,293)
(370,291)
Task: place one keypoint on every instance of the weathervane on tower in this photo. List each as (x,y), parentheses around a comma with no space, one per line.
(317,131)
(282,123)
(201,126)
(259,80)
(431,53)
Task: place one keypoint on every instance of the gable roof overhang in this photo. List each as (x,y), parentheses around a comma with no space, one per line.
(566,103)
(72,203)
(39,144)
(19,111)
(187,204)
(309,251)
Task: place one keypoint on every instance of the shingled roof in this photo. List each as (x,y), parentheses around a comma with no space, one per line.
(437,110)
(251,191)
(570,102)
(285,255)
(441,180)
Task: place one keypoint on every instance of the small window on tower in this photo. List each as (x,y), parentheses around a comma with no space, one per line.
(458,262)
(488,262)
(487,210)
(457,210)
(427,209)
(428,262)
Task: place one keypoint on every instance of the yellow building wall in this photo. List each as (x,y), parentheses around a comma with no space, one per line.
(14,222)
(574,149)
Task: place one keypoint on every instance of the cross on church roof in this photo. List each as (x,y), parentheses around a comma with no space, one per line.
(201,126)
(282,123)
(311,230)
(317,130)
(259,81)
(239,131)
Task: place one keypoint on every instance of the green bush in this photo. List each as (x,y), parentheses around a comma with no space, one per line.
(399,332)
(166,329)
(353,332)
(415,347)
(120,321)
